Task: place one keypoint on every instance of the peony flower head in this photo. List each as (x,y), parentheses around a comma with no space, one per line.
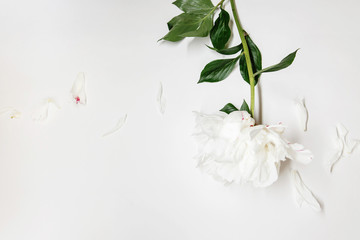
(232,149)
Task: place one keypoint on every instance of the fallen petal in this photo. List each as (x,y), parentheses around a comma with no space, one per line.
(12,112)
(303,195)
(349,144)
(302,113)
(344,148)
(118,125)
(334,159)
(161,100)
(42,113)
(78,89)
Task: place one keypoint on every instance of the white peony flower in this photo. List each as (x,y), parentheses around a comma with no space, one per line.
(232,149)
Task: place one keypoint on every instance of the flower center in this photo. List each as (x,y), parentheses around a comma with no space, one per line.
(269,146)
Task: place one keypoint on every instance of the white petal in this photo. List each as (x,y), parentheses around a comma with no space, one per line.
(118,125)
(42,112)
(335,158)
(300,154)
(78,89)
(302,194)
(344,146)
(349,144)
(161,101)
(232,150)
(13,113)
(302,113)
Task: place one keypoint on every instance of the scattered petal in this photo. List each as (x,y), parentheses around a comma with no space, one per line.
(118,125)
(13,113)
(42,113)
(302,194)
(302,113)
(344,146)
(161,100)
(78,89)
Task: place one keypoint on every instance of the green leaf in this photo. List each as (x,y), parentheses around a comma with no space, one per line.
(243,68)
(196,21)
(174,21)
(232,50)
(221,32)
(172,35)
(287,61)
(228,51)
(254,53)
(188,25)
(203,27)
(217,70)
(194,6)
(229,108)
(245,107)
(256,61)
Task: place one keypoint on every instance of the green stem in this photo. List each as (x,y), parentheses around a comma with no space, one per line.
(214,9)
(247,56)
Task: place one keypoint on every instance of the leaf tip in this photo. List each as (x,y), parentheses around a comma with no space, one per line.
(229,108)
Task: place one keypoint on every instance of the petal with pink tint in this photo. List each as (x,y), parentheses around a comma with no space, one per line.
(300,154)
(78,89)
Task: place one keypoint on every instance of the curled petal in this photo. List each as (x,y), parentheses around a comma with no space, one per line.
(302,113)
(118,125)
(349,144)
(12,112)
(42,113)
(302,194)
(300,154)
(78,89)
(161,101)
(345,146)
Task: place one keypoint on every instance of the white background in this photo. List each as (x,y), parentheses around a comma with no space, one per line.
(59,179)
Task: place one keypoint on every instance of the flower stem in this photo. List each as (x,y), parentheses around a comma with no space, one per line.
(247,56)
(214,9)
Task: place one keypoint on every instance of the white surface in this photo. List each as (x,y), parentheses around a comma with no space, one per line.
(60,179)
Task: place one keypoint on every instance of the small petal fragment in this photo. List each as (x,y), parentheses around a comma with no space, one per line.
(42,113)
(78,89)
(302,194)
(12,112)
(344,147)
(118,125)
(161,100)
(302,113)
